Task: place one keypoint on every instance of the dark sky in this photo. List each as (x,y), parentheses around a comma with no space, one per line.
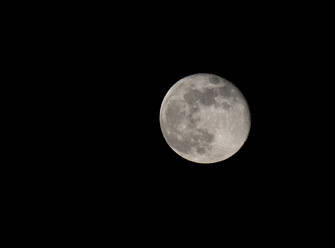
(113,72)
(127,69)
(92,157)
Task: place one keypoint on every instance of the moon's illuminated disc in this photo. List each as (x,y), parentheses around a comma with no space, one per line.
(205,118)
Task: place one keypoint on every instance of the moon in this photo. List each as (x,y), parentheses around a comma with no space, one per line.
(205,118)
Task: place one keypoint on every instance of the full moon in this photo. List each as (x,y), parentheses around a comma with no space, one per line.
(204,118)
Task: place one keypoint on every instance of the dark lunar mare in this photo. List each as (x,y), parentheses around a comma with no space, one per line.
(206,98)
(194,97)
(226,91)
(214,79)
(174,114)
(197,138)
(225,105)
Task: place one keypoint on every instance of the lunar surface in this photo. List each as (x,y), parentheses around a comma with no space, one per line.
(204,118)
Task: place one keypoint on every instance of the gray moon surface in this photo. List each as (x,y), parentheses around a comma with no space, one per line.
(205,118)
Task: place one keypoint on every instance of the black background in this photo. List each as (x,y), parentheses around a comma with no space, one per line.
(108,69)
(121,73)
(116,69)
